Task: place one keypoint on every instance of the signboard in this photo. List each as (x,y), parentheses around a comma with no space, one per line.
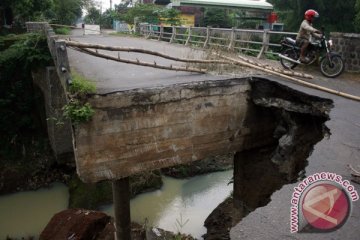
(187,20)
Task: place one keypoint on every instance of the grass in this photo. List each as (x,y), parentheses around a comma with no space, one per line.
(62,31)
(81,85)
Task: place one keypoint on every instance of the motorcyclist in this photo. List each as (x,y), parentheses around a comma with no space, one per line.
(305,32)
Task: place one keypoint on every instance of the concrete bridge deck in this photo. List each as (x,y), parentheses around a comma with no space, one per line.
(112,76)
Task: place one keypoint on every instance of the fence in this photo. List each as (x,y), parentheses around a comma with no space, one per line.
(253,41)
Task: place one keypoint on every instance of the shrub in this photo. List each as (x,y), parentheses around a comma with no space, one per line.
(78,112)
(19,100)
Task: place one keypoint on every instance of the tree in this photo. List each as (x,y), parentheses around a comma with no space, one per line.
(149,13)
(107,18)
(61,11)
(67,11)
(170,16)
(29,10)
(217,17)
(334,15)
(143,12)
(93,16)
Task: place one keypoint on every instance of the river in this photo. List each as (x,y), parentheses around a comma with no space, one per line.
(26,214)
(180,205)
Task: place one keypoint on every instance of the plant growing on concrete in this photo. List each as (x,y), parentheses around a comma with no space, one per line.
(78,112)
(80,85)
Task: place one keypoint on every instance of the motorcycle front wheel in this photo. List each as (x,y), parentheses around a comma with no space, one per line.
(332,67)
(290,53)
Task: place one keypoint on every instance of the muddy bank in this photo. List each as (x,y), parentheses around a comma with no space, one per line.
(211,164)
(42,170)
(32,172)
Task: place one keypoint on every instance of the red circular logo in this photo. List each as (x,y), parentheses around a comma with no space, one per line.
(325,206)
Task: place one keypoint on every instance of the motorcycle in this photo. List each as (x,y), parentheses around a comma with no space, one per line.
(331,63)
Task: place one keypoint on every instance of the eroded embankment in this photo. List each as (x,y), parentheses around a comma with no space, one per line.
(297,123)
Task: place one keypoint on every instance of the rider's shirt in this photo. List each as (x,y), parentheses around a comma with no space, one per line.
(305,31)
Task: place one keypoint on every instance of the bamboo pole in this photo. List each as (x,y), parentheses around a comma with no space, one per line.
(145,51)
(332,91)
(290,73)
(137,62)
(139,50)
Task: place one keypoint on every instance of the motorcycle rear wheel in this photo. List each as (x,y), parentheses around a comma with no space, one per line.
(291,53)
(332,67)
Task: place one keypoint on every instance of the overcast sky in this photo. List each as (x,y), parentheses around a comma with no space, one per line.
(106,3)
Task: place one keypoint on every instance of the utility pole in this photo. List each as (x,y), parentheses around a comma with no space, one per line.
(110,4)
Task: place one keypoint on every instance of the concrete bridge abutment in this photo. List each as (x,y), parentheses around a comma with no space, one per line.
(59,129)
(145,129)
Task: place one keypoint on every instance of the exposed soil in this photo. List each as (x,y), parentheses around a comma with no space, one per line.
(31,174)
(213,164)
(297,121)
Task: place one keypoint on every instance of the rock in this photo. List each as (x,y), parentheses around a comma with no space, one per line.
(220,221)
(137,232)
(145,182)
(76,224)
(81,224)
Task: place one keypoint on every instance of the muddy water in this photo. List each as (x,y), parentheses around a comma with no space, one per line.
(187,202)
(27,213)
(181,205)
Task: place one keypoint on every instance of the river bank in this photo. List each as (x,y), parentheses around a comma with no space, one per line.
(171,198)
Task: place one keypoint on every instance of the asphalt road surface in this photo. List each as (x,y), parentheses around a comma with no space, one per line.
(111,76)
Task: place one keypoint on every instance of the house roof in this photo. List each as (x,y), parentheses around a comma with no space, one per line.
(251,4)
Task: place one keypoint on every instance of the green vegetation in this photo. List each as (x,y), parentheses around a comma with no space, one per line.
(340,16)
(55,11)
(78,112)
(217,17)
(81,85)
(149,13)
(62,31)
(19,100)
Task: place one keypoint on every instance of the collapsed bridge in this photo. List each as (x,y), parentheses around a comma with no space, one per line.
(181,118)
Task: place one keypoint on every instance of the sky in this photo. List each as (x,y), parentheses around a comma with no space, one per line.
(106,3)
